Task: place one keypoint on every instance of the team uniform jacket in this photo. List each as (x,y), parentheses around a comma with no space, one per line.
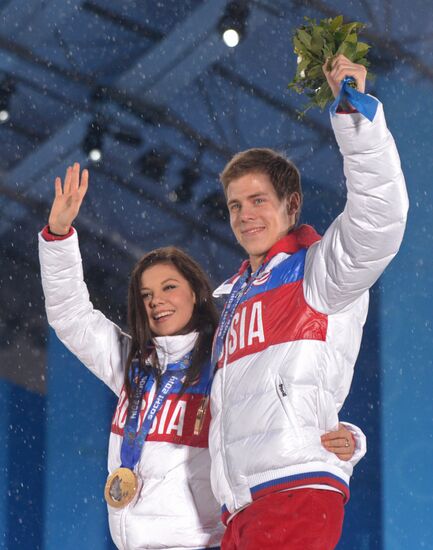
(288,359)
(175,508)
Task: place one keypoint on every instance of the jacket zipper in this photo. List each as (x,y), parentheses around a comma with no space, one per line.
(223,454)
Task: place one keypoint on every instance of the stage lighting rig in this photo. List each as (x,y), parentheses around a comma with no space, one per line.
(233,23)
(153,164)
(189,178)
(215,206)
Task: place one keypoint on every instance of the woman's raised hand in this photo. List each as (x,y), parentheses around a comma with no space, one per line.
(68,199)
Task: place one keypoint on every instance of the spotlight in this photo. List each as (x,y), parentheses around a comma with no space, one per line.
(4,116)
(184,191)
(93,141)
(7,88)
(231,38)
(153,164)
(95,155)
(233,22)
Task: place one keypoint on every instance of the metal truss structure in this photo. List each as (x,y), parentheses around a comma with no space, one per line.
(172,103)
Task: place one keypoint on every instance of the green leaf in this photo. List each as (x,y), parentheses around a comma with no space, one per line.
(317,41)
(323,91)
(335,23)
(348,49)
(303,64)
(304,37)
(362,48)
(300,49)
(316,72)
(350,27)
(328,51)
(339,37)
(352,38)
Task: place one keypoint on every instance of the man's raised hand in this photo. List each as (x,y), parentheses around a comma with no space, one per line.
(68,199)
(342,67)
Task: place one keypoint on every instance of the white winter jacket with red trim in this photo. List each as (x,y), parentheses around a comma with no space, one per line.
(289,354)
(175,508)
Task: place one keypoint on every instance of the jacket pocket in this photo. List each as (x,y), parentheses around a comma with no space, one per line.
(293,426)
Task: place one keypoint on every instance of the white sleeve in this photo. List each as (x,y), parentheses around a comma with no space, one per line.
(362,241)
(360,442)
(86,332)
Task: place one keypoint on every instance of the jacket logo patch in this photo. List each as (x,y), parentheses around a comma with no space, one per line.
(245,329)
(173,423)
(270,318)
(170,420)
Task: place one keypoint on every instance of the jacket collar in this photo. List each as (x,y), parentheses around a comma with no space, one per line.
(170,349)
(301,237)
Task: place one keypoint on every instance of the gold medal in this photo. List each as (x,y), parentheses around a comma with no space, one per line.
(121,487)
(201,413)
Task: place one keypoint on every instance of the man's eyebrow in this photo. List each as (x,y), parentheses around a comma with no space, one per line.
(232,201)
(253,196)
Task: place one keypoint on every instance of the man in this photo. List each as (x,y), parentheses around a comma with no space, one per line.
(291,331)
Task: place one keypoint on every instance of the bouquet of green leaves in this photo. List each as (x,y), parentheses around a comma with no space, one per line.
(314,44)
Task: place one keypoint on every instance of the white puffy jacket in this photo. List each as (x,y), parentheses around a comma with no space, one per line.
(175,508)
(289,355)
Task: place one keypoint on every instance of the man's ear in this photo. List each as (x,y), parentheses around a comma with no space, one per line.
(293,203)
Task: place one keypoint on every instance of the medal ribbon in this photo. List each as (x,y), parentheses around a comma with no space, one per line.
(237,293)
(363,103)
(133,441)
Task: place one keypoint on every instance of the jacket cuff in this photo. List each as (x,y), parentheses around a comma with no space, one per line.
(341,111)
(48,236)
(356,134)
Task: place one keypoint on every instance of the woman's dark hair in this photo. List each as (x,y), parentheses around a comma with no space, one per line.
(204,318)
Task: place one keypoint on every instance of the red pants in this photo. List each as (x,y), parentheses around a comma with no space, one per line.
(302,519)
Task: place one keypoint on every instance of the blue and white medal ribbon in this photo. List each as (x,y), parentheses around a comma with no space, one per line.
(363,103)
(237,293)
(122,485)
(133,441)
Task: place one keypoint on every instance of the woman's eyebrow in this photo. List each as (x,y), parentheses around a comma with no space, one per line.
(162,283)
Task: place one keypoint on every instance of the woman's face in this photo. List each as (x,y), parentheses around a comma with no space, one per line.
(168,299)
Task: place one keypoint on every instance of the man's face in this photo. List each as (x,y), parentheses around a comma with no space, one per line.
(257,216)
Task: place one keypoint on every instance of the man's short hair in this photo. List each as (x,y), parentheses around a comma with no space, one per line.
(284,175)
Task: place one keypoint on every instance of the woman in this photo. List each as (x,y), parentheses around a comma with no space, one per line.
(158,491)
